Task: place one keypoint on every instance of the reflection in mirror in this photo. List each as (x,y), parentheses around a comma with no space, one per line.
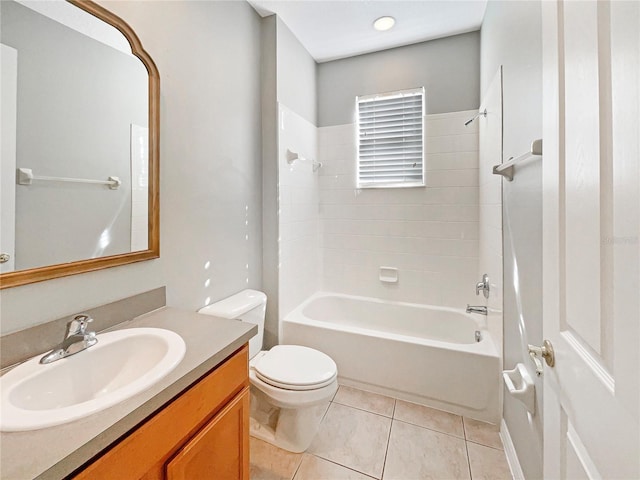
(76,170)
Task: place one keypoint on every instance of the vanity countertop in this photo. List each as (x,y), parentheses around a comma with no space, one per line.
(55,452)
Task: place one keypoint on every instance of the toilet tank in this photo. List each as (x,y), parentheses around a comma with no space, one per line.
(247,306)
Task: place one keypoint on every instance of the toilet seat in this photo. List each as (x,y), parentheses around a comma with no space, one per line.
(294,367)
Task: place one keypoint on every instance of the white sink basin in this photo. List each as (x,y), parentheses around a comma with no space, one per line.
(122,364)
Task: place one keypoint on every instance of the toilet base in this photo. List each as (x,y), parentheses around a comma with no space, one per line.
(292,429)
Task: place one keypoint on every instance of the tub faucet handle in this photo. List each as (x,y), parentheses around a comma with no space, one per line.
(484,286)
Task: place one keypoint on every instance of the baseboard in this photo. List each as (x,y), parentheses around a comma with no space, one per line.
(510,452)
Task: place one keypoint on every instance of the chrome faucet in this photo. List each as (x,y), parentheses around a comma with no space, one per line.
(76,339)
(483,286)
(480,309)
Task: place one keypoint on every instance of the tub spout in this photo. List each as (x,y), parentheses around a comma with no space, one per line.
(480,309)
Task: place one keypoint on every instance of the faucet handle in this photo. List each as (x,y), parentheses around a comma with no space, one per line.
(78,324)
(484,286)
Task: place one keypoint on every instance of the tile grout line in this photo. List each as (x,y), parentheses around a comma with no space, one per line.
(367,411)
(466,447)
(360,410)
(321,420)
(324,415)
(475,442)
(386,450)
(431,429)
(298,467)
(340,465)
(464,429)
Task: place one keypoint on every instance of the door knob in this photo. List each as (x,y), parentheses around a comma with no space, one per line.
(4,257)
(546,352)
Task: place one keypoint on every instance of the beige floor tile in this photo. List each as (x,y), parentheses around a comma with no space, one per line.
(429,418)
(487,463)
(272,463)
(482,433)
(353,438)
(371,402)
(417,453)
(316,468)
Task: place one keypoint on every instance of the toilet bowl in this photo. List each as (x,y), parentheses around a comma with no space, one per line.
(291,385)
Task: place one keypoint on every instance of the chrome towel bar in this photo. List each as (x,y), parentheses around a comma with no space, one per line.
(506,169)
(26,177)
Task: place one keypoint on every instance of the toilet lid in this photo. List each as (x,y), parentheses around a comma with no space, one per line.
(294,367)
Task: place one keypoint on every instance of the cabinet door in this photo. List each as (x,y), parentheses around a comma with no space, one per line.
(220,451)
(145,452)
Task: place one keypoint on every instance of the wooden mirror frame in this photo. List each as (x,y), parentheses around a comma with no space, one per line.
(23,277)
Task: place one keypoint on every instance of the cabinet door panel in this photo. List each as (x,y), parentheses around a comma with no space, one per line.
(220,450)
(144,453)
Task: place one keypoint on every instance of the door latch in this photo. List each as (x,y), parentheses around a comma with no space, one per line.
(546,352)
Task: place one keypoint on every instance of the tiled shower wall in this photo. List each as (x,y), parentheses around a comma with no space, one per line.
(490,199)
(299,264)
(430,234)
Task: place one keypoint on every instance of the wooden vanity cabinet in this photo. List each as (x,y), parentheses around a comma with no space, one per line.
(202,434)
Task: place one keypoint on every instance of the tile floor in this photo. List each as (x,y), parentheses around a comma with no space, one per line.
(364,435)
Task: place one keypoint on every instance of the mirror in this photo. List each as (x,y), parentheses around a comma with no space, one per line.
(80,121)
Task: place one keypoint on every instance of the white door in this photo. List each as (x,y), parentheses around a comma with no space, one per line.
(591,251)
(8,92)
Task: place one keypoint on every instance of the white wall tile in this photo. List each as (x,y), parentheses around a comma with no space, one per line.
(449,213)
(466,143)
(452,196)
(430,233)
(451,161)
(298,197)
(452,178)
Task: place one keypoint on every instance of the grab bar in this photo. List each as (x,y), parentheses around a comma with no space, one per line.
(506,169)
(26,177)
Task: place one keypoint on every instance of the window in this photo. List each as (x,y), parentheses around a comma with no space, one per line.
(390,134)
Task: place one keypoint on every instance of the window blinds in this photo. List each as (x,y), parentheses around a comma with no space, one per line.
(390,139)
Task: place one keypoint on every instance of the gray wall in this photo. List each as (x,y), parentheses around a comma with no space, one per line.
(270,230)
(288,78)
(296,75)
(511,36)
(208,55)
(448,68)
(61,72)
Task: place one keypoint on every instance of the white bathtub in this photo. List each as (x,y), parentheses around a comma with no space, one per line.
(419,353)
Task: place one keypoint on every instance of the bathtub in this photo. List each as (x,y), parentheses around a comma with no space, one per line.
(419,353)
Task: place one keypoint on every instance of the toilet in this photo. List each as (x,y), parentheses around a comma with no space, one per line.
(291,385)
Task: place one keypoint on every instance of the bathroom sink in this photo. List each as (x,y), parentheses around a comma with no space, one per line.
(122,364)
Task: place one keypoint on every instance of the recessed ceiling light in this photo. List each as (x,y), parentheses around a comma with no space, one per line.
(384,23)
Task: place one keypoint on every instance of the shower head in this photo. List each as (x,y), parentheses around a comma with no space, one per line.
(483,113)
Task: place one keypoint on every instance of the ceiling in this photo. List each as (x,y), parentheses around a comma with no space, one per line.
(331,29)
